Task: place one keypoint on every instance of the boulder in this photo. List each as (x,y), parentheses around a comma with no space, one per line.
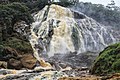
(3,64)
(14,64)
(16,59)
(11,51)
(44,64)
(7,53)
(28,61)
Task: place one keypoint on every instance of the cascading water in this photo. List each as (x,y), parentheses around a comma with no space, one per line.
(60,30)
(35,38)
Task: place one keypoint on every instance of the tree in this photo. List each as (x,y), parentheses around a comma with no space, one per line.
(111,6)
(68,2)
(12,13)
(100,13)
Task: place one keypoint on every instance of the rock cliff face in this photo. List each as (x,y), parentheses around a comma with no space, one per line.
(15,49)
(60,30)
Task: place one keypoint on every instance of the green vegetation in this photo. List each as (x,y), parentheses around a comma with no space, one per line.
(14,12)
(116,66)
(33,5)
(66,3)
(13,44)
(108,61)
(18,44)
(9,15)
(36,5)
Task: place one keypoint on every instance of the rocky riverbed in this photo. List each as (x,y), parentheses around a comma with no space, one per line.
(50,74)
(40,73)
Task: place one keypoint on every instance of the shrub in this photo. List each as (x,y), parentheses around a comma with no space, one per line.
(18,44)
(108,61)
(10,14)
(14,12)
(116,66)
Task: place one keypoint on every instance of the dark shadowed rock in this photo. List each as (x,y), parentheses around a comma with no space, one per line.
(73,60)
(7,53)
(14,64)
(78,15)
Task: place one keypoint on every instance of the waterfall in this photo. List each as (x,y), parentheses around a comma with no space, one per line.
(60,30)
(35,39)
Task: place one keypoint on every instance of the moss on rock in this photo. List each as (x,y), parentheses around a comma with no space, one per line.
(108,61)
(18,44)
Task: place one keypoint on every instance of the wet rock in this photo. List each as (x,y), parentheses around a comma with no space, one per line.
(78,15)
(3,64)
(4,72)
(81,78)
(25,76)
(13,54)
(14,64)
(43,74)
(49,75)
(41,69)
(73,60)
(62,65)
(84,68)
(28,61)
(7,53)
(44,64)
